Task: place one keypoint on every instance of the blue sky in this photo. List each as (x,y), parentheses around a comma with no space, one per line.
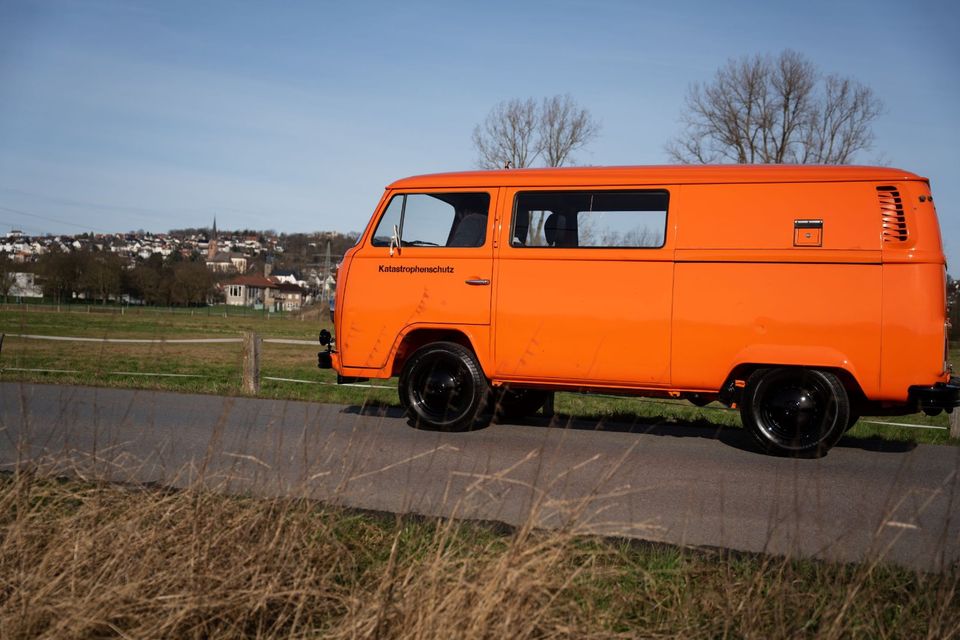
(293,116)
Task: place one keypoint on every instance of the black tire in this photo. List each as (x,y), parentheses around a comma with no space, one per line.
(794,411)
(518,403)
(442,387)
(852,420)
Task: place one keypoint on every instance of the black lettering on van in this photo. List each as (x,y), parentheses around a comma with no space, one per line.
(391,268)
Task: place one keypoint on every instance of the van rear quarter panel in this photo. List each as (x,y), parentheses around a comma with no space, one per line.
(732,313)
(744,294)
(913,338)
(914,303)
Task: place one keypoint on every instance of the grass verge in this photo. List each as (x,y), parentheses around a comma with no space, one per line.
(82,560)
(215,368)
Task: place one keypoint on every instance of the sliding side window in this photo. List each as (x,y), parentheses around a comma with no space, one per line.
(590,219)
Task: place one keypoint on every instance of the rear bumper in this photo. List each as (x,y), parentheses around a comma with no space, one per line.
(942,395)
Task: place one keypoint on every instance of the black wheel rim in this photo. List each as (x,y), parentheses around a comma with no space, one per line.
(442,388)
(795,409)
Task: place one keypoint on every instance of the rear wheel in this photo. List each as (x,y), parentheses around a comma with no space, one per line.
(443,387)
(793,411)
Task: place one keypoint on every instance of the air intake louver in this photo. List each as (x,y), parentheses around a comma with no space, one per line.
(891,210)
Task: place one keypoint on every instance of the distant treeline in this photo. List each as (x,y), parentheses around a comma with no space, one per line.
(301,250)
(103,276)
(173,281)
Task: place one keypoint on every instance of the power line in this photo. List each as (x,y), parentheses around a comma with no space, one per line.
(148,214)
(21,227)
(49,219)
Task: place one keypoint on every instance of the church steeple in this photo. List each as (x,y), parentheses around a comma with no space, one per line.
(212,242)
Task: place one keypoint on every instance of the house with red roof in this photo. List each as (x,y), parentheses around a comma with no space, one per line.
(289,296)
(254,291)
(262,292)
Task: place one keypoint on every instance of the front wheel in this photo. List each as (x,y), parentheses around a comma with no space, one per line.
(793,411)
(443,387)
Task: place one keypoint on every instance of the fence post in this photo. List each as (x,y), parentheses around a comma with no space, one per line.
(251,362)
(955,424)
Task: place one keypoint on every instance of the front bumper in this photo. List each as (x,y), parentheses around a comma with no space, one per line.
(325,360)
(942,395)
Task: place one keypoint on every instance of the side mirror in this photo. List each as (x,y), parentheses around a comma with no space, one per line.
(395,241)
(325,337)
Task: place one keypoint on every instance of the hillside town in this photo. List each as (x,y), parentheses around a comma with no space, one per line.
(256,269)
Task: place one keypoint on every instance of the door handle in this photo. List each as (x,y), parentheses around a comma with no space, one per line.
(478,282)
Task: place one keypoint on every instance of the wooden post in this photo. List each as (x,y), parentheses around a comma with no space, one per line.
(955,424)
(251,362)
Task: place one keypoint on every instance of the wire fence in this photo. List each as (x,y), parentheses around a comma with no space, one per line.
(218,310)
(28,336)
(170,341)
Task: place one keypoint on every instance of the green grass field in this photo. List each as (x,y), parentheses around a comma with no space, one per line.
(216,368)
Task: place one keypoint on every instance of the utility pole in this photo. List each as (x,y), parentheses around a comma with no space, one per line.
(324,294)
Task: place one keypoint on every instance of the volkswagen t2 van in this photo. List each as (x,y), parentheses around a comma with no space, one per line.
(804,296)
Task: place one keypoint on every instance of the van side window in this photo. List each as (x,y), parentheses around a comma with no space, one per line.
(435,220)
(590,219)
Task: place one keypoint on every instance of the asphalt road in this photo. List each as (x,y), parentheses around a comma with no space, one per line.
(674,483)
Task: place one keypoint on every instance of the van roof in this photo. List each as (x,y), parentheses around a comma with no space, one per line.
(655,175)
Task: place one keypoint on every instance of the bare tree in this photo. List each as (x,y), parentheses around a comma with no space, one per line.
(7,279)
(564,127)
(770,110)
(100,275)
(508,135)
(842,127)
(192,283)
(517,133)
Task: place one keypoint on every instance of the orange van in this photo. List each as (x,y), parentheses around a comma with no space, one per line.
(805,296)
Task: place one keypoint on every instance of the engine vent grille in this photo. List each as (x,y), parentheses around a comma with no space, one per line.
(891,211)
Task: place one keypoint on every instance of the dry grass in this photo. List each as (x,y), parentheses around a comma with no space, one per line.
(90,560)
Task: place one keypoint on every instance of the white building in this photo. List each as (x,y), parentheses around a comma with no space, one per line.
(23,285)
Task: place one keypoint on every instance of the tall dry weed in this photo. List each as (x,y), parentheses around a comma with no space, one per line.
(88,560)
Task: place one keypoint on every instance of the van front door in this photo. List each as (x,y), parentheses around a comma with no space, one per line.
(584,289)
(427,263)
